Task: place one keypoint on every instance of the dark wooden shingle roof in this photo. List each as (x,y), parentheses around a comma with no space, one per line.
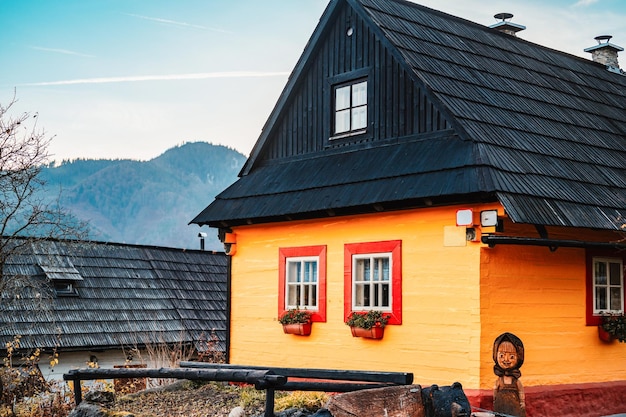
(127,295)
(541,131)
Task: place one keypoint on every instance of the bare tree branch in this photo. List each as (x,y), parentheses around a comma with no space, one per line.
(26,215)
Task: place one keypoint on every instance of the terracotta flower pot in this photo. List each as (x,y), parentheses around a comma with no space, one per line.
(301,329)
(604,335)
(375,332)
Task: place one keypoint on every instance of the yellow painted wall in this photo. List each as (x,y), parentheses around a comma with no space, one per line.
(539,296)
(439,339)
(456,301)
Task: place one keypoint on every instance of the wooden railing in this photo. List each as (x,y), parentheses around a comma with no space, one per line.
(269,379)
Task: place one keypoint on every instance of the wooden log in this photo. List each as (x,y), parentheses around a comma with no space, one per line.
(396,401)
(262,379)
(225,374)
(400,378)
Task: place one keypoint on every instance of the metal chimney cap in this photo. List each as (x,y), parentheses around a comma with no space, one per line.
(505,26)
(503,16)
(603,42)
(601,38)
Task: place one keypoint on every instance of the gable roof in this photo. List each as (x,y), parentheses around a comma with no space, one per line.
(541,131)
(127,295)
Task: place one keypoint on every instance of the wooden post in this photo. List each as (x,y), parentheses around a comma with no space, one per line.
(78,394)
(269,402)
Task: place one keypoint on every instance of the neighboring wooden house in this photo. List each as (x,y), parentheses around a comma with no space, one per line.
(481,176)
(111,304)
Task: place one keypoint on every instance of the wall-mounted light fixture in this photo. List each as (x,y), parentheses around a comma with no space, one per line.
(465,217)
(489,218)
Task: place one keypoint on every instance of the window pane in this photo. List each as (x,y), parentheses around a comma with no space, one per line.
(342,98)
(313,296)
(367,274)
(385,262)
(358,295)
(385,296)
(359,118)
(310,272)
(616,298)
(291,296)
(342,121)
(367,300)
(601,299)
(293,271)
(600,273)
(615,273)
(359,94)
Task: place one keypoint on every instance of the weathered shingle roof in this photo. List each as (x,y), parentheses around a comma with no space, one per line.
(541,131)
(128,295)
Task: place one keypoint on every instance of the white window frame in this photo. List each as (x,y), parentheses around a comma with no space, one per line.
(300,286)
(607,286)
(375,286)
(355,111)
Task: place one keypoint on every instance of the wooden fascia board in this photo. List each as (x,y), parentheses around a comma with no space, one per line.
(360,10)
(294,77)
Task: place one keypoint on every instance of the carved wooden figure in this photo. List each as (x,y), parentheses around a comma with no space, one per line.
(508,393)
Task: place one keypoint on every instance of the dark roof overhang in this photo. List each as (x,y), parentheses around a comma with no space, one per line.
(552,244)
(378,207)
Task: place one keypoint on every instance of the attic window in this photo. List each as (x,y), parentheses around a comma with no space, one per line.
(64,288)
(63,277)
(350,107)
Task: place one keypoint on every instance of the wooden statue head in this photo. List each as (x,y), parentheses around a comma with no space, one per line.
(508,354)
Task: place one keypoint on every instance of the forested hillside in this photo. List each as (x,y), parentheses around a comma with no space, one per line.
(148,202)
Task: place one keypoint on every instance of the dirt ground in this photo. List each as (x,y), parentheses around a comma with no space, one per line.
(187,399)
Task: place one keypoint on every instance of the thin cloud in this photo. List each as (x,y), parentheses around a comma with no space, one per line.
(584,3)
(60,51)
(174,22)
(171,77)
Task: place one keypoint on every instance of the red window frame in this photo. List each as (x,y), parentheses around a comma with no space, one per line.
(594,319)
(294,252)
(393,246)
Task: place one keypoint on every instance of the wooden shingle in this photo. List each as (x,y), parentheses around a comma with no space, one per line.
(461,113)
(127,295)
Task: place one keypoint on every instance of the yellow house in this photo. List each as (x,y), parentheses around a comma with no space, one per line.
(455,177)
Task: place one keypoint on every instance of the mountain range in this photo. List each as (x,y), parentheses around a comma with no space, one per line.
(146,202)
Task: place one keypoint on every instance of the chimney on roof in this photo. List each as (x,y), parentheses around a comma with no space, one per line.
(505,25)
(605,53)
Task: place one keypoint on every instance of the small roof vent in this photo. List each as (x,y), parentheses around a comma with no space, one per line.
(505,25)
(605,53)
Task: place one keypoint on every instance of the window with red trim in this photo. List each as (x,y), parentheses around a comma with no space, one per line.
(373,278)
(606,291)
(302,280)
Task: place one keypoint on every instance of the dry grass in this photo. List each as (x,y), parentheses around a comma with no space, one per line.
(211,400)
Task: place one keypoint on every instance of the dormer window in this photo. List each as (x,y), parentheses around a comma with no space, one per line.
(350,107)
(63,277)
(64,288)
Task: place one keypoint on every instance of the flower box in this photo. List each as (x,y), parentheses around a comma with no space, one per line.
(301,329)
(376,332)
(604,335)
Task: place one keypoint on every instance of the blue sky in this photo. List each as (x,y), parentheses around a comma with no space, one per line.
(133,78)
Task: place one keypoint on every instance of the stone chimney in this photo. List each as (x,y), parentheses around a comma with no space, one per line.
(605,53)
(505,25)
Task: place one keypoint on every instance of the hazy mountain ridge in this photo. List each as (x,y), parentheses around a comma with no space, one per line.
(147,202)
